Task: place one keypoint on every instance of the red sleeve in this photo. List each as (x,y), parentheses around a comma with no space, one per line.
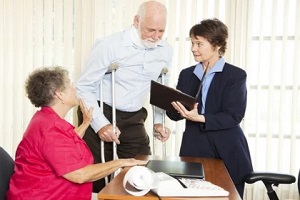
(65,151)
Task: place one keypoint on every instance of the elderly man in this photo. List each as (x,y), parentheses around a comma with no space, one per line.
(141,54)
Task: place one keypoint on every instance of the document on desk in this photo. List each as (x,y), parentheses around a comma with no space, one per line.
(139,180)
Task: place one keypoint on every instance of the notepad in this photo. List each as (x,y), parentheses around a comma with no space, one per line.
(162,96)
(177,168)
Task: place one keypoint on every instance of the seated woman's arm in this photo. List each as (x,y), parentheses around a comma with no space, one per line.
(97,171)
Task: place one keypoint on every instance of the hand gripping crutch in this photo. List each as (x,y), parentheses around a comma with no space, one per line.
(163,73)
(111,70)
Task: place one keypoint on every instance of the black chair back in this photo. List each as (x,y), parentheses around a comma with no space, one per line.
(6,170)
(299,182)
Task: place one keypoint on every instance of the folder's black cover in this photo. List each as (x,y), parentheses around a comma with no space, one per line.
(162,96)
(177,168)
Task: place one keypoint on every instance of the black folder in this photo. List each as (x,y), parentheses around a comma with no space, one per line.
(177,168)
(162,96)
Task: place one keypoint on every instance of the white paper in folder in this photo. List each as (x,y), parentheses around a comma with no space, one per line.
(139,180)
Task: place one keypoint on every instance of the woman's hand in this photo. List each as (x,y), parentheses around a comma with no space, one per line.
(87,114)
(87,118)
(191,115)
(133,162)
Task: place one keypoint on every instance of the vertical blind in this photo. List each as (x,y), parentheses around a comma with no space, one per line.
(264,39)
(272,121)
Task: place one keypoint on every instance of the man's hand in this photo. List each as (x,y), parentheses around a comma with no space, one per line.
(161,134)
(107,134)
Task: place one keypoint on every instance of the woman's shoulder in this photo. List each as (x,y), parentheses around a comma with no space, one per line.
(45,120)
(232,69)
(189,69)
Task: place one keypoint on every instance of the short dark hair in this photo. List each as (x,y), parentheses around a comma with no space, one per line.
(215,31)
(42,83)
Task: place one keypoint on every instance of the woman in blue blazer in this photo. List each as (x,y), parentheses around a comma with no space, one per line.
(212,126)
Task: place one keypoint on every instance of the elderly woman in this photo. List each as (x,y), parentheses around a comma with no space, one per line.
(212,127)
(52,161)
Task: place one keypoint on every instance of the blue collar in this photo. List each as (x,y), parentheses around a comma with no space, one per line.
(218,67)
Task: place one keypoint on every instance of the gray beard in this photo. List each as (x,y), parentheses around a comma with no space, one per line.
(136,39)
(148,44)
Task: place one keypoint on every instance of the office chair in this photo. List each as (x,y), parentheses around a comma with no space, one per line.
(270,179)
(6,170)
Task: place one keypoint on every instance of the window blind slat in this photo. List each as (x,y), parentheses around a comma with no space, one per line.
(68,35)
(2,69)
(58,32)
(38,33)
(18,70)
(8,57)
(78,49)
(47,25)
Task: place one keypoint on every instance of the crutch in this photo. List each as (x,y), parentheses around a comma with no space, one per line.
(163,73)
(111,70)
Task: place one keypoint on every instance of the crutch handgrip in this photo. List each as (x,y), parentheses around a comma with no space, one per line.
(112,67)
(164,70)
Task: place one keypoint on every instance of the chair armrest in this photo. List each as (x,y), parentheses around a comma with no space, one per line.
(272,178)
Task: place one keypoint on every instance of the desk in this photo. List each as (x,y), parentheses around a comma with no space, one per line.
(214,170)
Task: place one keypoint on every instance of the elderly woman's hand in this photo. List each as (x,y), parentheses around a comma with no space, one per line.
(87,118)
(133,162)
(86,113)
